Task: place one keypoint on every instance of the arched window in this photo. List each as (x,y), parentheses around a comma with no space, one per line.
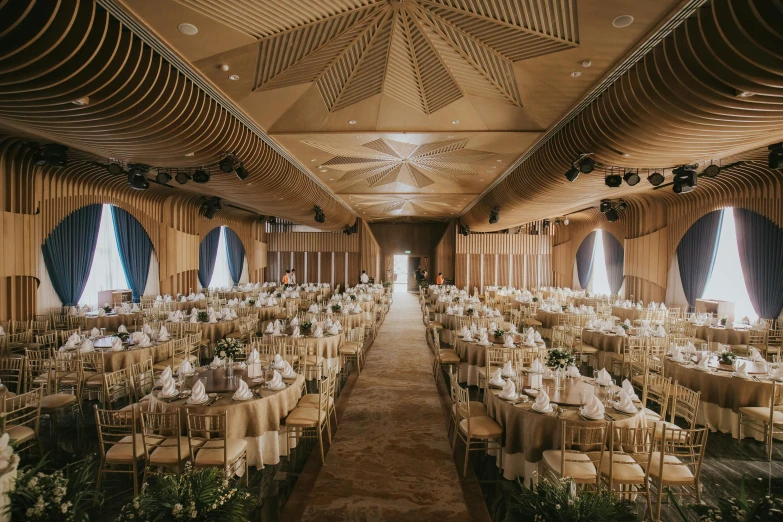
(106,272)
(727,282)
(599,282)
(221,276)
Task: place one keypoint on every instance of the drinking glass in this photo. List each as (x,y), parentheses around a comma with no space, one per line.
(583,394)
(103,332)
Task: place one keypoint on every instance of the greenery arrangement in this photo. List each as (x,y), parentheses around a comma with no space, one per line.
(278,295)
(625,326)
(469,311)
(766,509)
(535,299)
(558,358)
(197,495)
(500,332)
(123,336)
(251,302)
(203,317)
(723,321)
(228,348)
(727,357)
(63,495)
(424,284)
(550,501)
(353,297)
(387,284)
(108,309)
(564,307)
(307,325)
(336,307)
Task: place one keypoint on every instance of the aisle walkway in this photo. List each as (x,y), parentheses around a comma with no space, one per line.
(391,459)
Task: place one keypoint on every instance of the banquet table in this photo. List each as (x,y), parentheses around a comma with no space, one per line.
(607,344)
(327,346)
(201,304)
(722,335)
(722,395)
(585,301)
(527,434)
(213,332)
(257,420)
(110,321)
(114,361)
(623,313)
(474,356)
(268,313)
(367,305)
(548,319)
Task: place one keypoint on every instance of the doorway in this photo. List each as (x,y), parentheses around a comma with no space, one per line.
(414,264)
(400,273)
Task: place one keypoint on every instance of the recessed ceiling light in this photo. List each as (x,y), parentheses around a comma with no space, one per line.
(312,159)
(625,155)
(586,63)
(576,74)
(84,100)
(499,161)
(190,154)
(331,179)
(188,29)
(352,122)
(622,21)
(233,77)
(323,170)
(224,67)
(740,94)
(454,122)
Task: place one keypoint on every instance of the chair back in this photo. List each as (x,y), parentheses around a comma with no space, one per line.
(636,442)
(117,388)
(586,440)
(156,427)
(687,446)
(48,340)
(656,389)
(38,368)
(22,410)
(207,427)
(11,369)
(116,428)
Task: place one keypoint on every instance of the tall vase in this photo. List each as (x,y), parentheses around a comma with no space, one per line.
(229,366)
(560,379)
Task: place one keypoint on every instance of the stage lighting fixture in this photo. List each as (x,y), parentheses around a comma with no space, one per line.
(319,214)
(622,205)
(272,220)
(201,176)
(613,180)
(163,177)
(182,177)
(587,165)
(557,221)
(565,221)
(632,178)
(612,215)
(684,180)
(464,230)
(606,204)
(228,163)
(114,168)
(211,208)
(242,172)
(655,179)
(711,171)
(52,154)
(137,177)
(494,215)
(776,156)
(572,174)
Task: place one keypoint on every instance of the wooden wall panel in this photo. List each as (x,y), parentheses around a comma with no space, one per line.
(312,267)
(312,242)
(370,253)
(445,252)
(353,268)
(326,268)
(339,270)
(490,269)
(475,272)
(461,270)
(503,278)
(518,274)
(299,266)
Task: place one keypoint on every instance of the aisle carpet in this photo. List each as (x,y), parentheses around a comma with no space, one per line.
(390,458)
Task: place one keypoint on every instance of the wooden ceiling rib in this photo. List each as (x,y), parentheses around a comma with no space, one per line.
(681,104)
(140,109)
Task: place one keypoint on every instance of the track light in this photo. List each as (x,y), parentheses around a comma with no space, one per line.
(572,174)
(201,176)
(684,179)
(613,180)
(211,207)
(137,177)
(565,221)
(271,220)
(464,230)
(586,165)
(622,205)
(182,178)
(655,179)
(52,155)
(163,177)
(606,204)
(494,215)
(711,171)
(242,172)
(776,156)
(612,215)
(632,178)
(228,163)
(319,214)
(114,168)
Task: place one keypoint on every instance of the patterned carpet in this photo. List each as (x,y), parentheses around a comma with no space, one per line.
(390,458)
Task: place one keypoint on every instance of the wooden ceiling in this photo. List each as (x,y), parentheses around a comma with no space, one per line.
(364,87)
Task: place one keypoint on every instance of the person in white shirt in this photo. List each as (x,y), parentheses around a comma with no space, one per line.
(364,278)
(292,277)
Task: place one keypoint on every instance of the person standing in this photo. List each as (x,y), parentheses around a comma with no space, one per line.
(285,277)
(364,278)
(439,279)
(292,277)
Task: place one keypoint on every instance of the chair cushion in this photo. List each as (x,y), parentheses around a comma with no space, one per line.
(57,400)
(304,417)
(651,414)
(680,436)
(674,472)
(166,452)
(123,451)
(211,453)
(311,401)
(95,380)
(20,434)
(625,469)
(586,348)
(762,413)
(577,465)
(313,360)
(449,357)
(481,428)
(436,325)
(477,409)
(349,348)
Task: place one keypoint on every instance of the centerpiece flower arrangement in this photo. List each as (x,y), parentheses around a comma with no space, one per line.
(564,307)
(123,336)
(500,332)
(469,311)
(336,307)
(251,302)
(353,297)
(179,296)
(727,358)
(535,299)
(307,325)
(625,326)
(278,295)
(424,284)
(203,316)
(723,321)
(107,308)
(230,347)
(559,358)
(387,284)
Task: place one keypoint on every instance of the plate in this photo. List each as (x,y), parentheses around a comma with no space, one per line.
(258,380)
(590,417)
(627,412)
(247,399)
(745,378)
(510,399)
(549,409)
(190,401)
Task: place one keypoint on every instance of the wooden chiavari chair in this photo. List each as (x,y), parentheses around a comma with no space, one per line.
(12,372)
(121,445)
(118,390)
(479,433)
(620,470)
(580,456)
(211,447)
(766,418)
(656,390)
(17,342)
(164,446)
(443,357)
(20,420)
(92,371)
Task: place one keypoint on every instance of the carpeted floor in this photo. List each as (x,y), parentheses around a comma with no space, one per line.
(390,458)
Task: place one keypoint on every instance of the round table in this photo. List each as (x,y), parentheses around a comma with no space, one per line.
(623,313)
(110,321)
(527,434)
(723,335)
(474,356)
(257,420)
(548,319)
(114,361)
(608,344)
(268,313)
(213,332)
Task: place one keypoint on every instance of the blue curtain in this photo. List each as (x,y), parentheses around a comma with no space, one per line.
(760,244)
(236,254)
(207,252)
(68,252)
(135,250)
(614,253)
(696,254)
(584,259)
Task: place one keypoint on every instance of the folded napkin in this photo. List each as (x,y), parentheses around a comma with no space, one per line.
(294,321)
(493,326)
(538,338)
(729,325)
(593,409)
(573,371)
(87,346)
(755,356)
(144,341)
(741,371)
(95,332)
(509,390)
(467,336)
(101,312)
(674,352)
(288,371)
(199,394)
(194,318)
(313,309)
(625,403)
(167,298)
(508,342)
(603,377)
(277,364)
(295,332)
(277,323)
(185,368)
(333,330)
(254,357)
(628,389)
(163,334)
(269,328)
(277,381)
(217,362)
(704,364)
(212,318)
(542,402)
(73,340)
(243,393)
(778,374)
(513,329)
(122,329)
(620,331)
(276,332)
(660,332)
(116,345)
(508,370)
(590,324)
(497,378)
(536,367)
(328,323)
(338,326)
(317,332)
(169,389)
(147,329)
(483,339)
(449,311)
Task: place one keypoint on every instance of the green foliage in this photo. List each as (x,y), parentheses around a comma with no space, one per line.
(62,495)
(229,347)
(559,501)
(337,307)
(203,317)
(728,357)
(307,325)
(197,496)
(123,336)
(500,332)
(741,509)
(559,358)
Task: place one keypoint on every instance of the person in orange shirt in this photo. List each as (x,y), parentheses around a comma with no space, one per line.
(439,279)
(285,277)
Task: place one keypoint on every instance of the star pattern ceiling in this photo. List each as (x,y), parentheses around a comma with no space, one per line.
(403,207)
(423,53)
(383,161)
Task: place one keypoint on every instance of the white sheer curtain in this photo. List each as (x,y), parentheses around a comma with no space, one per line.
(106,272)
(599,280)
(221,276)
(726,282)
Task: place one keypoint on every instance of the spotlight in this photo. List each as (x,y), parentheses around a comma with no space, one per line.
(211,207)
(572,174)
(557,221)
(606,204)
(655,179)
(613,180)
(711,171)
(228,163)
(201,176)
(684,180)
(114,168)
(182,178)
(52,154)
(163,177)
(272,220)
(565,221)
(319,214)
(587,165)
(776,156)
(464,230)
(494,215)
(612,215)
(622,205)
(242,172)
(137,177)
(632,178)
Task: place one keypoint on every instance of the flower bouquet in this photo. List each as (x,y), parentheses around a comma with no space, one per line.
(251,302)
(230,347)
(469,311)
(625,326)
(337,307)
(727,358)
(500,333)
(353,297)
(123,336)
(559,358)
(535,299)
(307,325)
(203,316)
(723,321)
(107,308)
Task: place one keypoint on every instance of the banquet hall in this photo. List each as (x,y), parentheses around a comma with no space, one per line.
(486,260)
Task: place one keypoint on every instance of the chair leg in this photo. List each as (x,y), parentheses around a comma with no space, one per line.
(658,501)
(321,444)
(467,455)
